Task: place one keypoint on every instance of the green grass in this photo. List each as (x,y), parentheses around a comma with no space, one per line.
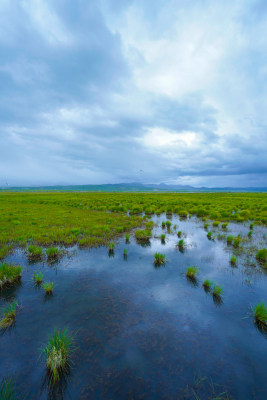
(260,313)
(224,225)
(58,354)
(207,284)
(217,290)
(181,244)
(48,287)
(179,234)
(237,241)
(68,218)
(233,260)
(206,225)
(250,233)
(35,252)
(216,223)
(168,224)
(163,224)
(125,252)
(251,226)
(53,253)
(143,234)
(191,272)
(4,251)
(159,259)
(229,239)
(209,235)
(38,277)
(262,255)
(8,315)
(162,237)
(111,247)
(7,391)
(9,274)
(127,238)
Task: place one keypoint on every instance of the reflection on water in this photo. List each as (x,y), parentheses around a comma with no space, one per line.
(143,331)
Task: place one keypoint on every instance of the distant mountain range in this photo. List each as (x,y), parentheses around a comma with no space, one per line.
(134,187)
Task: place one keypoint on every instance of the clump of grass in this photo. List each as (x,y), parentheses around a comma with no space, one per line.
(209,235)
(58,352)
(262,255)
(174,227)
(224,225)
(250,234)
(8,315)
(206,226)
(168,224)
(233,260)
(159,259)
(260,313)
(48,287)
(237,241)
(162,238)
(163,224)
(125,253)
(207,284)
(4,251)
(9,274)
(179,234)
(127,238)
(143,234)
(52,253)
(111,246)
(251,226)
(217,290)
(34,252)
(216,223)
(181,244)
(7,391)
(38,277)
(191,272)
(229,239)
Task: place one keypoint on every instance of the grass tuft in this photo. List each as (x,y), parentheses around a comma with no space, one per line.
(262,255)
(127,238)
(48,287)
(207,284)
(162,238)
(34,252)
(217,290)
(159,259)
(7,391)
(260,313)
(233,260)
(38,277)
(52,253)
(191,272)
(57,352)
(8,315)
(9,274)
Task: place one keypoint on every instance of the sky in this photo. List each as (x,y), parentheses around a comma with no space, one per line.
(111,91)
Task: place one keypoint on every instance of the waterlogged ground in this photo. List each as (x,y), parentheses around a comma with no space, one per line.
(144,332)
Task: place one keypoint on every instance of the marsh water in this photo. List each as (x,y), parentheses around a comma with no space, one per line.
(143,332)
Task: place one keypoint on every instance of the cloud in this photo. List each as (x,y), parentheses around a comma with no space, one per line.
(94,92)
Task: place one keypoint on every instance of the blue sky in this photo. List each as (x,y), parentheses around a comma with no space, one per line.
(123,91)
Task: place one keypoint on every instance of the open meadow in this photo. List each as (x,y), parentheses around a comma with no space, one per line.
(133,295)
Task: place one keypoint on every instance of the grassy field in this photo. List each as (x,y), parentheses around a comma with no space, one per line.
(92,219)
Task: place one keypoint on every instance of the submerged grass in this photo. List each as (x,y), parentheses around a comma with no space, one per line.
(9,274)
(58,354)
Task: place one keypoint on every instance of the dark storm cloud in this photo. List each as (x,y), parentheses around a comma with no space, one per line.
(94,92)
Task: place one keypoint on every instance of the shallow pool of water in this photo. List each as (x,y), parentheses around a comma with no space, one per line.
(143,332)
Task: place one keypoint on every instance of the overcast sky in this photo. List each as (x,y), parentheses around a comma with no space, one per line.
(111,91)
